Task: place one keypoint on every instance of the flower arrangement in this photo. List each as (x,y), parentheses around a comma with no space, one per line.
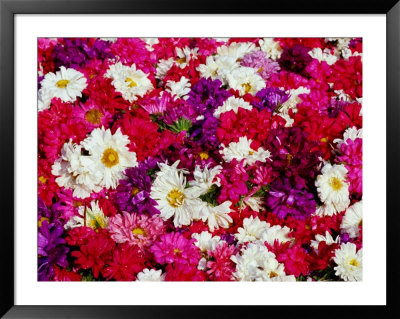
(200,159)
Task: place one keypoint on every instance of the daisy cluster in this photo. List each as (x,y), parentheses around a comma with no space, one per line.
(200,159)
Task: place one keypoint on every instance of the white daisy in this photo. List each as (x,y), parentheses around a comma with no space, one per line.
(75,171)
(252,230)
(217,216)
(218,67)
(95,217)
(325,55)
(185,55)
(350,133)
(236,50)
(271,47)
(163,67)
(173,198)
(256,263)
(327,238)
(204,179)
(333,190)
(242,150)
(205,241)
(109,155)
(276,233)
(180,89)
(128,81)
(232,104)
(349,262)
(245,80)
(150,275)
(352,219)
(66,84)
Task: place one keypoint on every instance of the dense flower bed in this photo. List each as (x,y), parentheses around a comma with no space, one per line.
(205,159)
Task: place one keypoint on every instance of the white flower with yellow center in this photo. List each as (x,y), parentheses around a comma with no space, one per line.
(245,80)
(180,89)
(278,233)
(236,50)
(352,219)
(75,171)
(252,230)
(271,48)
(256,263)
(333,190)
(218,67)
(349,262)
(109,155)
(185,55)
(205,241)
(327,238)
(65,84)
(217,216)
(204,179)
(242,150)
(232,104)
(129,81)
(95,217)
(173,198)
(150,275)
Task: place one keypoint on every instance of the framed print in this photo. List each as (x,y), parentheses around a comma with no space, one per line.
(205,160)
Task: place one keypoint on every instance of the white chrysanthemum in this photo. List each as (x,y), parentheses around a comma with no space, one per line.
(333,190)
(349,262)
(352,219)
(236,50)
(95,217)
(205,241)
(287,118)
(218,67)
(242,150)
(255,203)
(276,233)
(271,47)
(327,238)
(325,55)
(173,198)
(217,216)
(252,230)
(75,171)
(129,81)
(180,89)
(232,104)
(163,67)
(204,179)
(185,55)
(110,155)
(150,42)
(293,100)
(150,275)
(350,133)
(256,263)
(245,80)
(66,84)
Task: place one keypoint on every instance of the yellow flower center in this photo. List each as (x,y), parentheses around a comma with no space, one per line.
(181,60)
(247,87)
(110,157)
(260,70)
(336,183)
(324,139)
(177,251)
(131,82)
(97,221)
(289,158)
(41,220)
(43,179)
(273,274)
(135,191)
(175,198)
(204,155)
(77,203)
(62,83)
(251,152)
(93,116)
(138,231)
(354,262)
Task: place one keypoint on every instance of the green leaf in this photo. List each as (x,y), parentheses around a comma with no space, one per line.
(211,196)
(183,124)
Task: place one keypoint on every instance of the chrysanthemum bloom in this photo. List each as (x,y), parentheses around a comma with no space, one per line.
(150,275)
(349,262)
(252,230)
(109,155)
(295,59)
(295,261)
(221,267)
(91,216)
(352,158)
(51,249)
(92,115)
(175,248)
(259,61)
(134,229)
(124,263)
(66,84)
(65,275)
(232,104)
(246,81)
(181,272)
(270,99)
(352,220)
(233,181)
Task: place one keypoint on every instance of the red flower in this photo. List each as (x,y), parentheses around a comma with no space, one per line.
(180,272)
(295,261)
(221,267)
(65,275)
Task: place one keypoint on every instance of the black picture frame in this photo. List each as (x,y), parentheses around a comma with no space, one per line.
(8,10)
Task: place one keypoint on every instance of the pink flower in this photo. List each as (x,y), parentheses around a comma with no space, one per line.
(180,272)
(175,248)
(295,261)
(222,267)
(140,230)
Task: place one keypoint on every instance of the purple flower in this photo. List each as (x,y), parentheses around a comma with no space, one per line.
(133,193)
(335,107)
(51,249)
(284,199)
(295,59)
(259,61)
(270,98)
